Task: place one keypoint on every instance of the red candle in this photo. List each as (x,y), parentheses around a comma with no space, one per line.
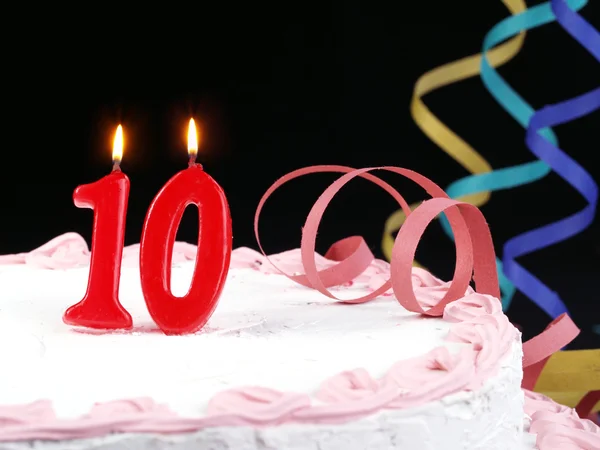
(192,186)
(100,307)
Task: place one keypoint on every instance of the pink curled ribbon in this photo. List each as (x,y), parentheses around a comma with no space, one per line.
(538,350)
(353,256)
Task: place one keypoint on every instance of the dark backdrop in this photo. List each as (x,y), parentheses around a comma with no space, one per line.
(278,87)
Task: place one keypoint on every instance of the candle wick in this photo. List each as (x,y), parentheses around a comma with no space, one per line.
(116,166)
(192,161)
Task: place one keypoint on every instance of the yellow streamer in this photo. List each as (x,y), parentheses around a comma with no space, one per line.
(439,133)
(569,375)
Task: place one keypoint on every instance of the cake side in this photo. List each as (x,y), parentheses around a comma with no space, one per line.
(490,418)
(309,349)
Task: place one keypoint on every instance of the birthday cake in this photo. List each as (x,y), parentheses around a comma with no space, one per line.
(279,365)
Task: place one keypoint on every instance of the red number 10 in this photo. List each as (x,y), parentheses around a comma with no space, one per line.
(100,307)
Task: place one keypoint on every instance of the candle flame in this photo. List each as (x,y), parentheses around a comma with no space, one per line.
(192,139)
(117,153)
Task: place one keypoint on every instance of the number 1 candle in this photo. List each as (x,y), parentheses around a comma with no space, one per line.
(100,307)
(191,186)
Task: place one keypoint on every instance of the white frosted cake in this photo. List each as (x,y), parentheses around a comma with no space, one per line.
(279,366)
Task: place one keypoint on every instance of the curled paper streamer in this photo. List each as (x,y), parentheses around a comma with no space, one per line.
(563,229)
(569,377)
(443,136)
(473,249)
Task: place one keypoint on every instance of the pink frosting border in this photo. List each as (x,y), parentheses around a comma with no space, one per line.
(475,319)
(559,427)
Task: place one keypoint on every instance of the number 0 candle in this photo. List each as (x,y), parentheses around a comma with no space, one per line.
(192,186)
(100,307)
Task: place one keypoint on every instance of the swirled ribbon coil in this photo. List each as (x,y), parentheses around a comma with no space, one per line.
(558,231)
(467,221)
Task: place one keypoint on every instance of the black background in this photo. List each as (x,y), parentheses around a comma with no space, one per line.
(275,88)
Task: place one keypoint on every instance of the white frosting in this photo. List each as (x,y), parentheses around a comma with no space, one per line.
(266,331)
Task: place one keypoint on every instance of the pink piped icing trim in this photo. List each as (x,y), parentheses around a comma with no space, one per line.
(558,426)
(70,250)
(476,320)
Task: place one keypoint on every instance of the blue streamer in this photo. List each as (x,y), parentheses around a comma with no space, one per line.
(567,168)
(570,171)
(520,110)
